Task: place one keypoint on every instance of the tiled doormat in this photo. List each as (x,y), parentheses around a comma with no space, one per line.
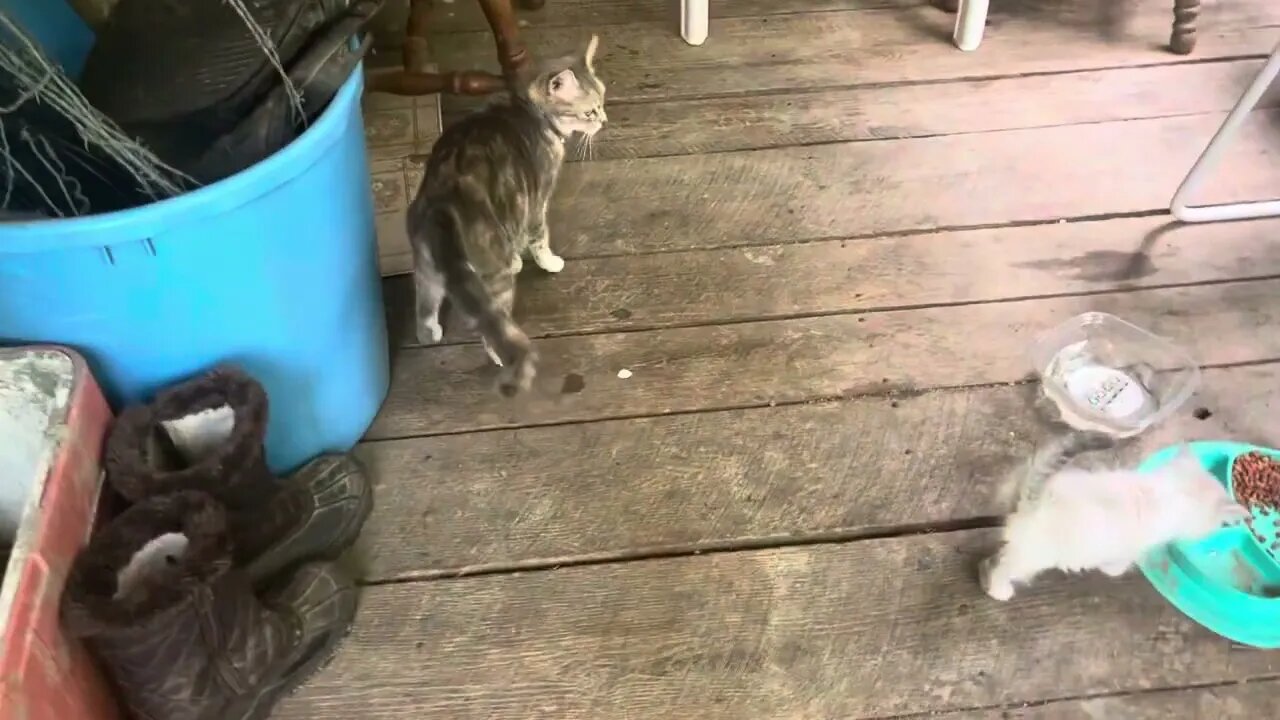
(399,132)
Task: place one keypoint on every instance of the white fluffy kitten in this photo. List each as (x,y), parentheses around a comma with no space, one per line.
(1073,519)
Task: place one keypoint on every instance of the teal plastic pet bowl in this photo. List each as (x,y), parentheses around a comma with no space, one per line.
(1228,582)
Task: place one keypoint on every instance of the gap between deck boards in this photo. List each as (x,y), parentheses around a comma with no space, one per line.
(728,545)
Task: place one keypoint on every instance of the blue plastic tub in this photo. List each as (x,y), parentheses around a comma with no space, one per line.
(53,24)
(274,269)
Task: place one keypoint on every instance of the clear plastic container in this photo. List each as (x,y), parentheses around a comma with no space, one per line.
(1108,375)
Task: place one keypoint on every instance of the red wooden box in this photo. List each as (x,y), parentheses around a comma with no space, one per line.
(53,420)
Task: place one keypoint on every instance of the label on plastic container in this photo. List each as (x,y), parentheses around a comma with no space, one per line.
(1107,391)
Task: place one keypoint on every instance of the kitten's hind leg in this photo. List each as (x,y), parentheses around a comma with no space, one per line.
(998,573)
(429,289)
(992,582)
(540,249)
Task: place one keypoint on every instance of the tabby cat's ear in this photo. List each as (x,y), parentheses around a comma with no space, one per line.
(590,55)
(563,86)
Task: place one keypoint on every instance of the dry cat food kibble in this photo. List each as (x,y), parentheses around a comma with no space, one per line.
(1255,479)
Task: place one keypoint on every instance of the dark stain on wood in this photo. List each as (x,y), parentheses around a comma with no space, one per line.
(573,383)
(1100,265)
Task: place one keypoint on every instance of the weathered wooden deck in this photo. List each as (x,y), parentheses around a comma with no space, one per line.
(821,244)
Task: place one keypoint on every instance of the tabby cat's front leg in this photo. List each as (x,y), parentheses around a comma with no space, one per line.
(540,248)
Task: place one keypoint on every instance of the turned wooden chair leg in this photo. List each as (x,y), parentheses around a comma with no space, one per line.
(415,52)
(512,54)
(1183,39)
(413,79)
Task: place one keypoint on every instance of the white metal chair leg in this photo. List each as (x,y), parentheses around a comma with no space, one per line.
(971,21)
(1213,152)
(694,21)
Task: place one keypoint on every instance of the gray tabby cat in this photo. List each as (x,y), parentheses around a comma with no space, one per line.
(483,203)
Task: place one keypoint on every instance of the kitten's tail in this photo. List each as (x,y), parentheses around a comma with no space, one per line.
(502,336)
(1051,458)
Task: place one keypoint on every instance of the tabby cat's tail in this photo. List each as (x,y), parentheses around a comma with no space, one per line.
(1049,459)
(502,337)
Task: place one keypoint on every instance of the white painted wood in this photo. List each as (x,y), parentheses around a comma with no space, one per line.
(694,21)
(971,21)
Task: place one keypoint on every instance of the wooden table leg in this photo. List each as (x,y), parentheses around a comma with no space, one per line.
(1185,14)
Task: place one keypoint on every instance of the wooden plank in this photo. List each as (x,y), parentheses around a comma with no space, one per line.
(649,61)
(640,487)
(956,267)
(857,630)
(680,127)
(860,189)
(1241,700)
(866,188)
(779,194)
(587,15)
(450,389)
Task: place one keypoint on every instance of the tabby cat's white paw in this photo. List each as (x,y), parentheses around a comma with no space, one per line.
(430,332)
(550,262)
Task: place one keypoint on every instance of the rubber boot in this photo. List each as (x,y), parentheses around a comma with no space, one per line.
(177,627)
(206,434)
